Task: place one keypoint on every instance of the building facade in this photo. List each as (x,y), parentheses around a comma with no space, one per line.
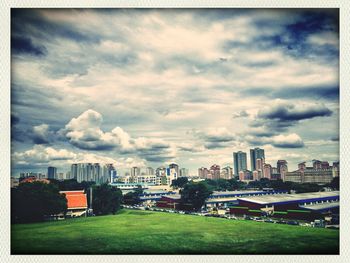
(239,162)
(52,172)
(255,154)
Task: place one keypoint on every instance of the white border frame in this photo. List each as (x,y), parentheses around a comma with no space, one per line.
(5,140)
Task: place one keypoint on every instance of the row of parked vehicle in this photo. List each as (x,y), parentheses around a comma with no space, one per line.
(317,223)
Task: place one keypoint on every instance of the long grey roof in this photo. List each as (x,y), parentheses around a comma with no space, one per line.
(267,199)
(321,206)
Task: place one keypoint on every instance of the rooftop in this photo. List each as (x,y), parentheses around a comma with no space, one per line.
(75,199)
(322,206)
(268,199)
(175,196)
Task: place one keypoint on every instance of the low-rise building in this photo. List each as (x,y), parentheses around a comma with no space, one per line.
(169,201)
(76,203)
(306,206)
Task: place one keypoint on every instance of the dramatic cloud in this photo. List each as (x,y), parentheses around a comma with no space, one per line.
(85,133)
(131,83)
(280,141)
(43,156)
(41,134)
(287,112)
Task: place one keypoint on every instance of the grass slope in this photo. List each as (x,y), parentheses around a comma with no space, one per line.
(146,232)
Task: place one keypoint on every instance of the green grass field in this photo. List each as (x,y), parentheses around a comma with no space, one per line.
(146,232)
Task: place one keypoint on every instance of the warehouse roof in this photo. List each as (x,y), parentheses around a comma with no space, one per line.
(175,197)
(287,198)
(322,206)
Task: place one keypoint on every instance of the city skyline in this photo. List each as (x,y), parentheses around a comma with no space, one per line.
(187,86)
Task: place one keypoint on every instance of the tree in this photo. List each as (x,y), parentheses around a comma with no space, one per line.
(236,185)
(193,196)
(133,198)
(335,183)
(33,202)
(179,182)
(106,199)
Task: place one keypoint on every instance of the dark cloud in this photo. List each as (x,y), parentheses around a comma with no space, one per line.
(23,45)
(14,119)
(335,139)
(325,93)
(31,22)
(288,144)
(291,113)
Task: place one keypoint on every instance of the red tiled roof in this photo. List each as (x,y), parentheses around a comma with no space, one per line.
(76,192)
(33,179)
(75,199)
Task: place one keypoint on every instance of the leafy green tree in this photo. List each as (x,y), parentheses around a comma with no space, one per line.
(106,199)
(133,198)
(179,182)
(335,183)
(33,202)
(236,185)
(193,196)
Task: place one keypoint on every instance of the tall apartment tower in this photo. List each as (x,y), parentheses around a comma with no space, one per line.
(51,172)
(149,171)
(203,172)
(74,171)
(215,171)
(255,154)
(282,168)
(174,166)
(239,162)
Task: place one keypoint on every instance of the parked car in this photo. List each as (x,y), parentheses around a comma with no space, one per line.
(295,223)
(281,222)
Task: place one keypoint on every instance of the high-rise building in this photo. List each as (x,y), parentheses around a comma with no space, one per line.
(239,162)
(256,175)
(149,171)
(89,172)
(174,166)
(282,168)
(245,175)
(255,154)
(52,172)
(215,171)
(324,165)
(281,163)
(267,171)
(316,164)
(160,171)
(74,171)
(226,173)
(109,173)
(335,169)
(135,171)
(302,166)
(183,172)
(203,172)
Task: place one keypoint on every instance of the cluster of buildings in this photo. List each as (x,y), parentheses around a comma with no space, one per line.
(162,176)
(266,203)
(321,172)
(305,206)
(106,173)
(214,172)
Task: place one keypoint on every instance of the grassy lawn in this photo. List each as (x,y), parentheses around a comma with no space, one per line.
(146,232)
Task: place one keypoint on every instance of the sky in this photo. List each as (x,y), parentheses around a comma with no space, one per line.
(146,87)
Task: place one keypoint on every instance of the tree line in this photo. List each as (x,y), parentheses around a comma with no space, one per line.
(37,201)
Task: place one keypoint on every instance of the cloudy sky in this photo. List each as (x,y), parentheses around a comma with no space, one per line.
(148,87)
